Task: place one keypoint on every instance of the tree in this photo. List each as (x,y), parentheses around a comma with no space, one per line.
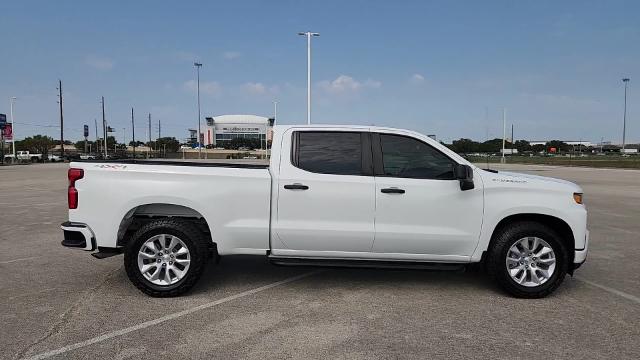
(465,146)
(522,146)
(138,143)
(494,146)
(558,145)
(168,144)
(90,145)
(538,148)
(38,144)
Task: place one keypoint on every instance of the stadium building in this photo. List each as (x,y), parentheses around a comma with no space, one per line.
(220,130)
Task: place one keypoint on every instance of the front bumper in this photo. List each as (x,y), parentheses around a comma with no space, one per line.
(78,235)
(580,255)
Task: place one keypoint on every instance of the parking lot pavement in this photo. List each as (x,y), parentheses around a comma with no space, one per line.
(60,303)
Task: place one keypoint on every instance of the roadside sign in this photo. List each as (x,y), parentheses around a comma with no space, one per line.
(3,120)
(86,131)
(7,132)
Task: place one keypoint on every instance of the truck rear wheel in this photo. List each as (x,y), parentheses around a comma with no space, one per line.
(528,260)
(166,257)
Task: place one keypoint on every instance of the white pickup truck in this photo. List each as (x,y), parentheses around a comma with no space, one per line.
(331,195)
(24,156)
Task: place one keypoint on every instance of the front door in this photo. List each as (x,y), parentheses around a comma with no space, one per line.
(420,209)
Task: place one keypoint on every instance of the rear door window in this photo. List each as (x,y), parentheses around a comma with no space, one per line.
(327,152)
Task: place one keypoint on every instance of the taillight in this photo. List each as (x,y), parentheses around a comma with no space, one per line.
(72,193)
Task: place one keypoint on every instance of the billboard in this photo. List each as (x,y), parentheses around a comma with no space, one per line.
(7,132)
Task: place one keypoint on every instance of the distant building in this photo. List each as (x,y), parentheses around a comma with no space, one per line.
(568,142)
(224,128)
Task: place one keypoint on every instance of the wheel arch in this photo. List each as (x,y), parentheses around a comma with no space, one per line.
(555,223)
(142,214)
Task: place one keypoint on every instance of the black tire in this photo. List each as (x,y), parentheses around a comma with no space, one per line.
(500,245)
(197,244)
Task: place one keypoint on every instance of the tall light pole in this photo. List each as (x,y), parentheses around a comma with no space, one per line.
(104,128)
(61,120)
(198,66)
(308,34)
(13,130)
(624,117)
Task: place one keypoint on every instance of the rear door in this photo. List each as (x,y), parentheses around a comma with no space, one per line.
(420,209)
(325,194)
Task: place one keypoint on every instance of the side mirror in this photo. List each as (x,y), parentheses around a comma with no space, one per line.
(464,173)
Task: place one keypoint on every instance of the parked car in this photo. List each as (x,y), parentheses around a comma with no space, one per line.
(331,195)
(54,158)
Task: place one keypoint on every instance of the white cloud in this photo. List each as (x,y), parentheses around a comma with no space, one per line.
(211,88)
(255,88)
(100,63)
(346,84)
(231,55)
(416,79)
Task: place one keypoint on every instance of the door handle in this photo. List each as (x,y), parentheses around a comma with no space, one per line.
(296,187)
(392,190)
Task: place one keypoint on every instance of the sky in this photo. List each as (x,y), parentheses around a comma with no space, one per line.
(438,67)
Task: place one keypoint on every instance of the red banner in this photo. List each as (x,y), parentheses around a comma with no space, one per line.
(7,132)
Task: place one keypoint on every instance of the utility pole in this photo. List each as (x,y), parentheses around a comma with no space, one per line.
(159,135)
(104,129)
(13,131)
(486,122)
(61,120)
(513,141)
(95,122)
(504,133)
(198,66)
(149,134)
(133,134)
(308,34)
(624,118)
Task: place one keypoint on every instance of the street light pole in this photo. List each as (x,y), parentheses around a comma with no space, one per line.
(624,117)
(104,128)
(61,121)
(198,66)
(13,131)
(308,34)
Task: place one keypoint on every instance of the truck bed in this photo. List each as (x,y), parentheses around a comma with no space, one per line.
(239,163)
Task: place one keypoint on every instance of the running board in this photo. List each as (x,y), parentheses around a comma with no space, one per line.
(359,263)
(104,253)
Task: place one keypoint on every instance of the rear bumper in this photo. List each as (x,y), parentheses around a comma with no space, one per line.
(78,235)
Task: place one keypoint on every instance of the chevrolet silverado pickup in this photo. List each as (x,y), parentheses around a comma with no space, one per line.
(329,195)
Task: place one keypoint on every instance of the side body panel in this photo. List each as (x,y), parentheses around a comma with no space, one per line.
(509,194)
(233,201)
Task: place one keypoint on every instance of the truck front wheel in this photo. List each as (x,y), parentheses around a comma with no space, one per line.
(528,259)
(166,257)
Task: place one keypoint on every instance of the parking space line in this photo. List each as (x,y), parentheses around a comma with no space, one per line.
(611,290)
(23,259)
(160,320)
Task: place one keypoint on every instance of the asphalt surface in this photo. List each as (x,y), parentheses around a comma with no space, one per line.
(64,304)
